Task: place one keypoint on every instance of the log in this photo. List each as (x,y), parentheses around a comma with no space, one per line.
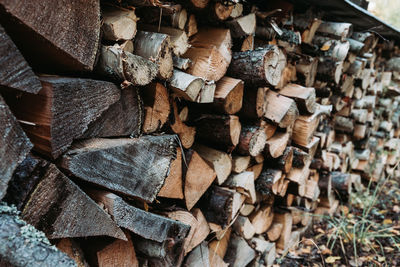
(286,220)
(156,48)
(244,184)
(154,235)
(127,46)
(240,163)
(306,69)
(185,85)
(200,4)
(124,66)
(221,205)
(219,245)
(266,249)
(221,161)
(254,101)
(239,252)
(118,24)
(15,73)
(156,107)
(300,158)
(243,26)
(252,140)
(329,70)
(280,110)
(207,92)
(308,23)
(120,165)
(73,249)
(221,131)
(339,30)
(173,185)
(341,184)
(14,146)
(262,219)
(243,227)
(123,118)
(332,49)
(26,242)
(198,177)
(198,257)
(56,207)
(185,133)
(304,96)
(181,63)
(262,66)
(304,129)
(344,124)
(248,43)
(118,253)
(53,125)
(367,38)
(228,95)
(191,26)
(275,231)
(284,162)
(267,179)
(50,43)
(275,146)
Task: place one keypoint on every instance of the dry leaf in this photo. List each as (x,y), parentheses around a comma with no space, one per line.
(332,259)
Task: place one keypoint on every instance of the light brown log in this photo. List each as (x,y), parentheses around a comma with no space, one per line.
(304,96)
(275,231)
(118,253)
(284,239)
(219,245)
(244,184)
(228,95)
(260,66)
(256,169)
(280,110)
(191,26)
(304,129)
(185,133)
(275,146)
(243,26)
(155,47)
(284,162)
(248,43)
(118,24)
(72,248)
(240,163)
(173,185)
(156,107)
(124,66)
(244,227)
(308,23)
(262,219)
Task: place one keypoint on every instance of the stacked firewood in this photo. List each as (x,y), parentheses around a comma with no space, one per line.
(188,133)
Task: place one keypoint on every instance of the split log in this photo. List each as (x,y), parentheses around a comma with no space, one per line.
(280,109)
(56,207)
(300,158)
(262,219)
(170,14)
(198,177)
(123,118)
(155,235)
(332,49)
(341,184)
(357,47)
(73,249)
(267,179)
(254,103)
(118,253)
(156,107)
(306,69)
(284,162)
(52,124)
(344,124)
(304,96)
(173,185)
(181,63)
(239,252)
(186,85)
(14,146)
(47,41)
(228,95)
(118,24)
(286,220)
(339,30)
(256,169)
(329,70)
(191,26)
(156,48)
(304,129)
(124,66)
(260,66)
(243,26)
(275,146)
(15,72)
(240,163)
(221,131)
(275,231)
(248,43)
(120,165)
(221,205)
(207,93)
(221,161)
(308,23)
(28,246)
(199,257)
(185,133)
(243,227)
(219,244)
(244,184)
(127,46)
(252,140)
(267,251)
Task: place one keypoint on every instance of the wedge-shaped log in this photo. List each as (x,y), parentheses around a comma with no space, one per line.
(244,184)
(243,26)
(262,219)
(15,72)
(239,252)
(156,107)
(155,235)
(74,250)
(275,146)
(118,24)
(56,207)
(173,185)
(120,164)
(252,140)
(262,66)
(118,253)
(304,96)
(281,110)
(49,42)
(186,85)
(125,66)
(28,246)
(221,131)
(62,110)
(14,146)
(304,129)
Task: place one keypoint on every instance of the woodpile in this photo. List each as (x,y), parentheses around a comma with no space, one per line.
(152,133)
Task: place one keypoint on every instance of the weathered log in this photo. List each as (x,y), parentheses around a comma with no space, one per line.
(28,246)
(239,252)
(341,184)
(199,257)
(308,23)
(280,110)
(300,158)
(266,250)
(304,96)
(15,72)
(156,48)
(50,43)
(254,103)
(339,30)
(286,220)
(207,93)
(186,85)
(14,146)
(284,162)
(53,124)
(266,181)
(56,207)
(156,107)
(260,66)
(252,140)
(243,26)
(344,124)
(306,68)
(332,49)
(221,131)
(120,165)
(221,161)
(198,177)
(118,24)
(329,70)
(155,235)
(124,66)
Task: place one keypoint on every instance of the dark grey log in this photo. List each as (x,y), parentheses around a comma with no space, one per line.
(22,245)
(14,145)
(134,167)
(61,209)
(15,72)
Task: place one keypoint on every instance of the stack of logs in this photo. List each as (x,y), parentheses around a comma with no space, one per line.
(195,133)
